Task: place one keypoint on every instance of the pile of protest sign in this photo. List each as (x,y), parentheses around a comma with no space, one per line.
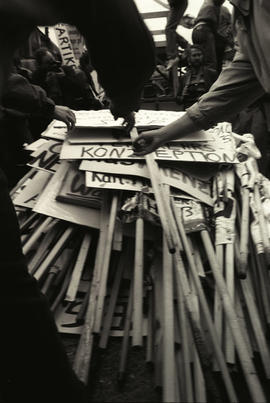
(170,252)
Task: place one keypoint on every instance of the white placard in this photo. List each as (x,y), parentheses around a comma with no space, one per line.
(46,156)
(47,204)
(56,130)
(211,152)
(107,181)
(65,45)
(31,189)
(171,176)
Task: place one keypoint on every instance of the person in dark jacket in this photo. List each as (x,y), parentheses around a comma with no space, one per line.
(34,366)
(21,103)
(197,80)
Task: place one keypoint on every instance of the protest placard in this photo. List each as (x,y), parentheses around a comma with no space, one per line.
(31,189)
(92,135)
(120,182)
(46,157)
(171,176)
(48,205)
(65,45)
(144,118)
(74,191)
(56,130)
(211,152)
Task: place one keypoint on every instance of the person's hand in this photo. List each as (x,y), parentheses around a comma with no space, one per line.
(129,121)
(66,115)
(147,142)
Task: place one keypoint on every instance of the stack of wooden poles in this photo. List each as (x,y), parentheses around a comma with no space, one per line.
(203,293)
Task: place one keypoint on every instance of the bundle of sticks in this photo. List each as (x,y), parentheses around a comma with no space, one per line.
(198,288)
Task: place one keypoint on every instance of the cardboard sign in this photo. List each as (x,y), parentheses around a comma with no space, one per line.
(46,157)
(74,191)
(31,189)
(107,181)
(171,176)
(65,45)
(144,118)
(56,130)
(192,214)
(218,151)
(93,135)
(48,205)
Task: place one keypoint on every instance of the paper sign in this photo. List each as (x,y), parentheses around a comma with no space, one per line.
(218,151)
(92,135)
(31,189)
(47,204)
(191,213)
(144,118)
(74,191)
(171,176)
(56,130)
(65,45)
(107,181)
(47,156)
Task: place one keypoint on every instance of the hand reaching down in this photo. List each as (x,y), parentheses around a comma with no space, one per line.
(147,142)
(64,114)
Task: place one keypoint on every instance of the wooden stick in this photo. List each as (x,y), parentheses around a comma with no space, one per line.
(78,268)
(107,323)
(150,329)
(137,323)
(43,248)
(105,265)
(54,253)
(206,312)
(28,222)
(36,234)
(168,389)
(218,313)
(158,192)
(61,263)
(229,272)
(84,350)
(125,340)
(248,368)
(244,234)
(256,324)
(262,222)
(187,388)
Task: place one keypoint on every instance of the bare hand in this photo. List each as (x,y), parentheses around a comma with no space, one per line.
(66,115)
(147,142)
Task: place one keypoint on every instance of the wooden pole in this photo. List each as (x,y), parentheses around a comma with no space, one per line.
(105,265)
(78,268)
(137,323)
(168,383)
(248,368)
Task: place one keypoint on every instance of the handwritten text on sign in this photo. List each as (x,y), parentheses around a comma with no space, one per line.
(65,45)
(171,176)
(216,152)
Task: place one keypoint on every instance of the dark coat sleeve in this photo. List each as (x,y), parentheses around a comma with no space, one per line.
(121,49)
(27,98)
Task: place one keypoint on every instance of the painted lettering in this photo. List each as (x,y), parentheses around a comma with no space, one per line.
(86,151)
(117,151)
(77,186)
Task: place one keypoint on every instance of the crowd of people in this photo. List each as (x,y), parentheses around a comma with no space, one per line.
(225,77)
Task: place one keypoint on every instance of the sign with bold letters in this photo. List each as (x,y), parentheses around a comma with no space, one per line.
(171,176)
(46,156)
(31,189)
(65,45)
(211,152)
(48,205)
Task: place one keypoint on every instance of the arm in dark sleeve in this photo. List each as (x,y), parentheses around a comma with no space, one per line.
(236,88)
(121,49)
(27,98)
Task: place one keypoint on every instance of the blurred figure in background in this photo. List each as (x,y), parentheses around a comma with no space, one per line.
(197,80)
